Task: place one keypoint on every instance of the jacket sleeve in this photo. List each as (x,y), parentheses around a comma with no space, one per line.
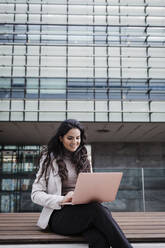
(39,193)
(90,162)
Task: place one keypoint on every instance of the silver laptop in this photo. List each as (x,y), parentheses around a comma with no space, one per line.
(96,187)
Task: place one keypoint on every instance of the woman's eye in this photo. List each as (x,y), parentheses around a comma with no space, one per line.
(71,138)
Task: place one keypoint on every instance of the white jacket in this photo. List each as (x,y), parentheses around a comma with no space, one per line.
(48,196)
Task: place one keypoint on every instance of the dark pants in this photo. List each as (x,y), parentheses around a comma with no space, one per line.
(93,221)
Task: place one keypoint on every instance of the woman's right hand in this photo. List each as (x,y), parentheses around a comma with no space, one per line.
(68,197)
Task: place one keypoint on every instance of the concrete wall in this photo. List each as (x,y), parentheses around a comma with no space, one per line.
(143,165)
(128,155)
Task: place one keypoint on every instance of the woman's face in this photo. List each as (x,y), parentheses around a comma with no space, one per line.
(71,140)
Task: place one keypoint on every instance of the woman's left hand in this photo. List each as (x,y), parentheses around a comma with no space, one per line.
(68,197)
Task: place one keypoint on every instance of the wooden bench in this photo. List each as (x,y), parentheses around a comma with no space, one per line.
(20,228)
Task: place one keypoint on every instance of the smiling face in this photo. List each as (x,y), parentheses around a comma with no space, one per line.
(71,140)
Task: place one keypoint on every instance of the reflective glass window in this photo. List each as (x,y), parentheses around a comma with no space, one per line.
(21,18)
(80,61)
(80,19)
(138,117)
(52,106)
(53,72)
(31,105)
(32,38)
(100,72)
(4,116)
(156,21)
(6,7)
(157,73)
(80,30)
(34,8)
(4,105)
(33,50)
(54,39)
(7,18)
(17,105)
(33,60)
(5,71)
(100,10)
(55,19)
(53,88)
(100,20)
(54,29)
(5,84)
(19,29)
(131,10)
(49,50)
(80,9)
(19,60)
(5,50)
(31,116)
(33,29)
(19,50)
(86,51)
(81,116)
(48,116)
(80,39)
(53,61)
(21,7)
(80,72)
(157,89)
(101,89)
(32,71)
(5,60)
(32,88)
(6,28)
(7,38)
(18,83)
(55,9)
(80,106)
(16,116)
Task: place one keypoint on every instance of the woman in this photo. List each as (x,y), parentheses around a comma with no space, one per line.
(61,161)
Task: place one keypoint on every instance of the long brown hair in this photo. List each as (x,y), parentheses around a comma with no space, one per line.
(56,150)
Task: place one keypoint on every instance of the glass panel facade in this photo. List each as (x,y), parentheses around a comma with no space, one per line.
(17,172)
(82,50)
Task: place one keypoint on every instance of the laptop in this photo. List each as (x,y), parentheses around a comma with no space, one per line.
(96,187)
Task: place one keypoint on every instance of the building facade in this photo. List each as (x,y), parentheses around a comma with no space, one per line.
(99,61)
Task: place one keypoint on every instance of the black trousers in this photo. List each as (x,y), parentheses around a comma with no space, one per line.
(93,221)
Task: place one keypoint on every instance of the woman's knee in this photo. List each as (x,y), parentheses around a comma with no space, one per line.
(100,209)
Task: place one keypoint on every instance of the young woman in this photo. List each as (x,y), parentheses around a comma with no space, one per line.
(61,161)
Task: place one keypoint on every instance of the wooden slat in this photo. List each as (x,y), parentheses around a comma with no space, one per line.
(137,226)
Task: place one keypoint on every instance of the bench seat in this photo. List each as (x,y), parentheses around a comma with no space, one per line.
(20,228)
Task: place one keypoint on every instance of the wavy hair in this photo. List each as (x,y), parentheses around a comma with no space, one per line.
(56,150)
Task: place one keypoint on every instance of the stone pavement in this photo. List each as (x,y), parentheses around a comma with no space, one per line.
(137,245)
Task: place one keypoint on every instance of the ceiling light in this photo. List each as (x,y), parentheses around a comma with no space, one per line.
(103,130)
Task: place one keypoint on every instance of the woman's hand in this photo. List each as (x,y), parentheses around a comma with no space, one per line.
(68,197)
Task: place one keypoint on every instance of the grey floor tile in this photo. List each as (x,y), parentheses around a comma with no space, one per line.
(138,245)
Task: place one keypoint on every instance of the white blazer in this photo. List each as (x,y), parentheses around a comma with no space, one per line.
(49,196)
